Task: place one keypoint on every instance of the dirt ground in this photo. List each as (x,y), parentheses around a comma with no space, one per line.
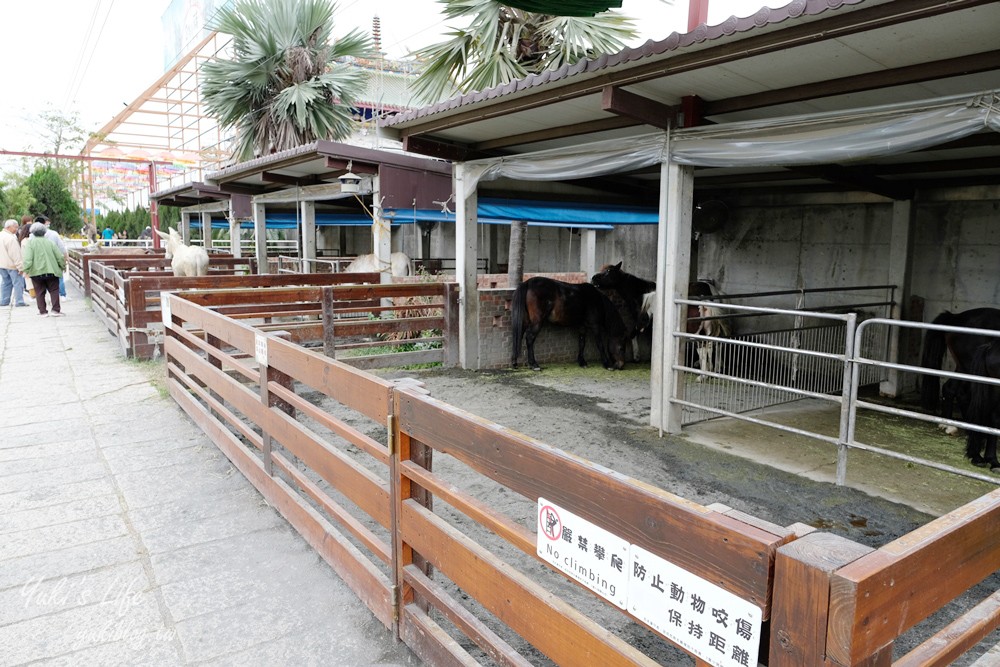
(604,418)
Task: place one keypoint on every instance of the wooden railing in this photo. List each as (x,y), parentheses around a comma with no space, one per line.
(294,421)
(460,580)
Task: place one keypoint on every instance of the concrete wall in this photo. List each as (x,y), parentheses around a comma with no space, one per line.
(956,252)
(957,256)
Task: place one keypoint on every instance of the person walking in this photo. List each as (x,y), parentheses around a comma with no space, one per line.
(11,266)
(54,236)
(44,263)
(23,233)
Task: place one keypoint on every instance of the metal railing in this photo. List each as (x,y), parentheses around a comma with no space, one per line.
(859,362)
(828,362)
(779,347)
(295,264)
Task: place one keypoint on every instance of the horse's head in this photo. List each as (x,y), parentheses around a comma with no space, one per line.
(609,276)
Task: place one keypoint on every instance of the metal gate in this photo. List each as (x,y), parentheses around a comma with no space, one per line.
(825,356)
(786,347)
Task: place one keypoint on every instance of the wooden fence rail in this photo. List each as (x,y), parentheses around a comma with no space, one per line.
(461,581)
(392,518)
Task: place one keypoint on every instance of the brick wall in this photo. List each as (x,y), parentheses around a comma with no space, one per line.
(554,344)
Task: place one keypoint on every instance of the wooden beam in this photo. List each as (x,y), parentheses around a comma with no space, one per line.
(340,166)
(179,202)
(858,178)
(979,62)
(275,177)
(646,111)
(453,152)
(575,130)
(241,189)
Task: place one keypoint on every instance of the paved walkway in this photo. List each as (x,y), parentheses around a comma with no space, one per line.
(126,537)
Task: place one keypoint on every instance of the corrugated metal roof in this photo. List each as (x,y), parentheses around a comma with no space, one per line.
(764,19)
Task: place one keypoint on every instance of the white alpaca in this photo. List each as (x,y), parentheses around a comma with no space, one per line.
(399,265)
(185,260)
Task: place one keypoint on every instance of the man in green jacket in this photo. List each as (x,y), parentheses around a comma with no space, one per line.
(44,263)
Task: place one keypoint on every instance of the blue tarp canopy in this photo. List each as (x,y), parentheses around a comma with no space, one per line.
(491,211)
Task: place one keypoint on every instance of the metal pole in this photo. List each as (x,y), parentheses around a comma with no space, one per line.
(848,414)
(154,212)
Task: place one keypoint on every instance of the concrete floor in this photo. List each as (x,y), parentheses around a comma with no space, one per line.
(922,488)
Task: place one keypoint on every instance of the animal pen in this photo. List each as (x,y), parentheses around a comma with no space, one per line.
(365,469)
(829,354)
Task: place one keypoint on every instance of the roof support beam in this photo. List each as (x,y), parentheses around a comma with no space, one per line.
(646,111)
(979,62)
(590,127)
(241,189)
(274,177)
(859,178)
(340,165)
(438,149)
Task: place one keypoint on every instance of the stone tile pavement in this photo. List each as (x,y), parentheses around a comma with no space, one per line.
(127,538)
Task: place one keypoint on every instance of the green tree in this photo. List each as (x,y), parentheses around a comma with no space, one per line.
(283,87)
(15,200)
(502,43)
(53,199)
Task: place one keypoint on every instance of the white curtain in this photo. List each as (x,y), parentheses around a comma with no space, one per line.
(838,138)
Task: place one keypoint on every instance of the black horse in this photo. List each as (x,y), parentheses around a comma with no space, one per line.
(636,293)
(630,287)
(961,347)
(984,405)
(539,300)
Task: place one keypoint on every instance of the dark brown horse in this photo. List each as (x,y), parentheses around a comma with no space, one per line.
(960,346)
(539,300)
(984,405)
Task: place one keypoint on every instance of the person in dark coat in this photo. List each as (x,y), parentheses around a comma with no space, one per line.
(44,263)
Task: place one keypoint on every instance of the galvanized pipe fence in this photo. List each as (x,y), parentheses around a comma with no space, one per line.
(778,355)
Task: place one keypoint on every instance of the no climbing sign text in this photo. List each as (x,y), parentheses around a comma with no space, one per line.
(703,618)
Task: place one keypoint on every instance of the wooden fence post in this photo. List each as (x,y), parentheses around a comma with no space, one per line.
(404,448)
(267,375)
(451,328)
(329,338)
(135,329)
(284,379)
(801,597)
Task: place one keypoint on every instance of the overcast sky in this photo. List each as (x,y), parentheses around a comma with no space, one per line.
(95,56)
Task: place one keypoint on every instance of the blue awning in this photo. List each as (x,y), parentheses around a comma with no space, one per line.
(492,211)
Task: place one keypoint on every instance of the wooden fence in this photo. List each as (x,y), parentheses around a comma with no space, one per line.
(346,457)
(124,293)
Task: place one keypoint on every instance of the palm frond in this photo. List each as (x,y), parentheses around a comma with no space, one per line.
(283,87)
(502,43)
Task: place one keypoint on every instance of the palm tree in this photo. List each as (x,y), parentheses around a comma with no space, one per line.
(503,43)
(282,87)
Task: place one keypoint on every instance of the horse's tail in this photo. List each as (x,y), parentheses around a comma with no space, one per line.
(646,311)
(934,347)
(979,393)
(518,311)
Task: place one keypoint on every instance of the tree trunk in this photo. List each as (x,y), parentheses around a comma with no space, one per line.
(515,256)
